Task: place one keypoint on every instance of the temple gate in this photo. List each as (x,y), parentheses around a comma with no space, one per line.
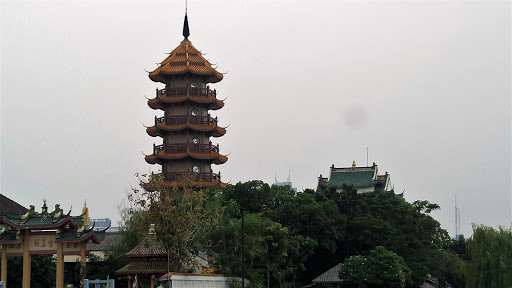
(52,233)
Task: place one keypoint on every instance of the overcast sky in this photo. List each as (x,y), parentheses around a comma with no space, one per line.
(425,86)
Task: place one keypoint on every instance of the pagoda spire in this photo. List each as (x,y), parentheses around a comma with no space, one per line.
(186,31)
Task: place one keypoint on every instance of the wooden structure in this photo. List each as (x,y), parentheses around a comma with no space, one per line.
(148,260)
(46,233)
(187,152)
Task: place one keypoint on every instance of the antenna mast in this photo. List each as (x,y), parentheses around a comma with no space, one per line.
(367,157)
(457,220)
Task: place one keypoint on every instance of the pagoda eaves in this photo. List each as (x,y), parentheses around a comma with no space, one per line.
(185,59)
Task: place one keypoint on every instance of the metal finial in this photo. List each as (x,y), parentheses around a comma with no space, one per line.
(186,31)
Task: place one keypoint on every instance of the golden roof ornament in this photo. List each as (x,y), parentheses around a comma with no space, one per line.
(29,213)
(85,213)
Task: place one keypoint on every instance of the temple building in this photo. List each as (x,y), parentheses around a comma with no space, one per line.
(364,179)
(187,126)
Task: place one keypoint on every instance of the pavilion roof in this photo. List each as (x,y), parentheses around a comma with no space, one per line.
(152,267)
(185,59)
(149,247)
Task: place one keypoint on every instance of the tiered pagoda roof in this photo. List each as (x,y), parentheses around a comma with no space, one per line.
(215,157)
(179,123)
(185,59)
(164,98)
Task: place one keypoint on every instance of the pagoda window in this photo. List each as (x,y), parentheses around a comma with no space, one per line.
(194,112)
(196,168)
(194,85)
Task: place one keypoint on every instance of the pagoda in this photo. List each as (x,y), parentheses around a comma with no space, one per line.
(187,152)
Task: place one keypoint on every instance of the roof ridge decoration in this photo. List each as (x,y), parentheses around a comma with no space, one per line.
(29,213)
(57,213)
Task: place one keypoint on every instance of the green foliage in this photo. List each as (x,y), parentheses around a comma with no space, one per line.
(449,268)
(42,268)
(381,269)
(292,237)
(179,218)
(490,253)
(281,231)
(458,247)
(381,219)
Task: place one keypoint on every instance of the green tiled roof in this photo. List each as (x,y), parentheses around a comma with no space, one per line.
(144,267)
(9,237)
(36,222)
(71,236)
(356,178)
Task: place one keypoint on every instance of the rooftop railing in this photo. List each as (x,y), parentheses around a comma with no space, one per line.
(186,119)
(185,91)
(186,147)
(202,176)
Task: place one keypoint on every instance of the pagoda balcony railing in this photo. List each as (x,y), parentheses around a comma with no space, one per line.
(186,119)
(185,91)
(186,147)
(202,176)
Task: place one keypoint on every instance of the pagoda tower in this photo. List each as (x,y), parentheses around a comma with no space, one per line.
(187,152)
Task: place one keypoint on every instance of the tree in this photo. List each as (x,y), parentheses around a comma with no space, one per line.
(178,216)
(448,269)
(458,247)
(381,269)
(490,253)
(281,231)
(42,271)
(381,218)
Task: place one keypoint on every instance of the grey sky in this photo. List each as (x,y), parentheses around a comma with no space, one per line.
(424,85)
